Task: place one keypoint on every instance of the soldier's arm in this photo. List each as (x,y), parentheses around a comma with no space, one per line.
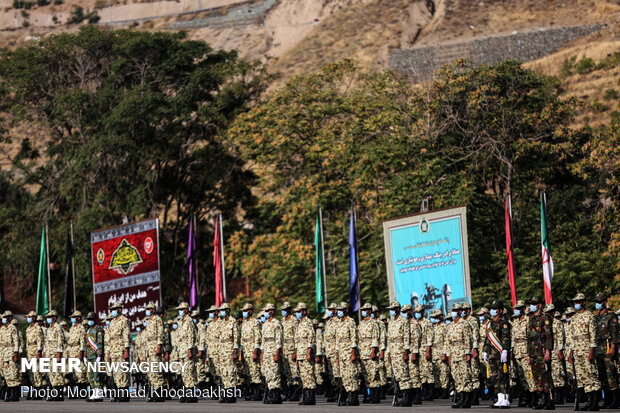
(159,335)
(506,333)
(374,334)
(468,338)
(431,335)
(353,334)
(406,332)
(416,337)
(60,341)
(126,333)
(278,335)
(235,336)
(591,331)
(312,342)
(15,339)
(614,330)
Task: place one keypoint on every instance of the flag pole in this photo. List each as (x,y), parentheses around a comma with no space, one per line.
(323,256)
(73,269)
(47,253)
(223,261)
(195,262)
(357,267)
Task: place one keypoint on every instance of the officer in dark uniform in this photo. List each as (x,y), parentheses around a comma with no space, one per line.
(539,346)
(495,353)
(607,340)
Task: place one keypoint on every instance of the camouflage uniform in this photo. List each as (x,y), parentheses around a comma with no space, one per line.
(382,323)
(213,343)
(426,346)
(475,361)
(331,359)
(415,332)
(35,340)
(398,344)
(9,345)
(346,345)
(305,339)
(559,338)
(201,346)
(118,338)
(154,344)
(368,332)
(519,350)
(319,366)
(539,341)
(459,340)
(580,338)
(76,345)
(607,334)
(228,332)
(289,367)
(271,345)
(94,350)
(498,326)
(441,370)
(54,344)
(250,344)
(186,346)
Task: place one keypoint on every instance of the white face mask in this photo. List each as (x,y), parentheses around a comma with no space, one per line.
(148,313)
(29,320)
(91,323)
(114,313)
(49,320)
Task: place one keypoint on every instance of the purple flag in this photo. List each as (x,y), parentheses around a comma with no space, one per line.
(193,282)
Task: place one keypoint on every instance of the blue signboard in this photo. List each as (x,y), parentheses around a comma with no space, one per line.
(427,259)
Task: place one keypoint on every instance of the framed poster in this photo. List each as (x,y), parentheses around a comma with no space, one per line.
(125,262)
(427,259)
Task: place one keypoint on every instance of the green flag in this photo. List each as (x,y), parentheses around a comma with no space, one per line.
(321,294)
(43,303)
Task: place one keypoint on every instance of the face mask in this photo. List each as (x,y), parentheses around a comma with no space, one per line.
(517,312)
(455,314)
(577,306)
(73,321)
(418,316)
(138,329)
(433,320)
(195,320)
(91,323)
(568,319)
(175,326)
(223,313)
(364,314)
(284,313)
(598,306)
(245,314)
(114,313)
(148,313)
(340,313)
(393,313)
(329,313)
(212,315)
(262,319)
(181,313)
(493,312)
(533,308)
(404,315)
(107,323)
(481,318)
(29,319)
(49,320)
(4,320)
(298,316)
(448,322)
(373,315)
(463,313)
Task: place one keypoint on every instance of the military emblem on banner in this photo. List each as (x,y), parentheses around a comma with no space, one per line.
(125,258)
(100,256)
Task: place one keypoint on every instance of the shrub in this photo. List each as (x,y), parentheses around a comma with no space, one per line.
(610,94)
(585,65)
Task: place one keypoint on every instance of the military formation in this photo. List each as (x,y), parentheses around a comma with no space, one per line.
(532,353)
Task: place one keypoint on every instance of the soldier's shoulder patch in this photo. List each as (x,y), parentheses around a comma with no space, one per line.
(505,326)
(547,322)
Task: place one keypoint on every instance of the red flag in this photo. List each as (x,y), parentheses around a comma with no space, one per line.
(217,263)
(510,251)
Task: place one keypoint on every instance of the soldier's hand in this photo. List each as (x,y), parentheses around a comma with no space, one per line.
(547,356)
(158,350)
(126,354)
(81,355)
(294,356)
(468,358)
(373,353)
(58,357)
(317,359)
(449,362)
(235,354)
(591,355)
(276,357)
(444,358)
(166,357)
(561,355)
(15,357)
(428,353)
(309,355)
(389,359)
(38,354)
(475,353)
(612,350)
(353,355)
(406,355)
(414,357)
(382,355)
(255,355)
(512,355)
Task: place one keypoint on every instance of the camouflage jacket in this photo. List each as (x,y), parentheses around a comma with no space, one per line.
(559,337)
(250,335)
(539,335)
(499,326)
(305,338)
(271,337)
(118,334)
(398,335)
(186,337)
(475,330)
(346,335)
(289,325)
(76,340)
(606,331)
(459,339)
(94,342)
(519,337)
(154,334)
(415,332)
(35,339)
(330,338)
(54,340)
(426,340)
(228,332)
(581,332)
(9,342)
(368,333)
(439,338)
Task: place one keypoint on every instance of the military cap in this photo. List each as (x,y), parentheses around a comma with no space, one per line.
(159,310)
(569,310)
(7,313)
(465,305)
(195,313)
(31,314)
(269,306)
(549,308)
(436,313)
(52,313)
(300,306)
(556,314)
(563,318)
(456,306)
(519,304)
(342,306)
(170,322)
(62,323)
(260,314)
(116,305)
(448,316)
(39,318)
(366,306)
(321,325)
(150,305)
(183,306)
(383,317)
(315,322)
(496,304)
(418,308)
(91,316)
(535,300)
(393,305)
(76,313)
(332,306)
(406,307)
(285,305)
(527,310)
(211,309)
(247,306)
(325,317)
(482,311)
(579,297)
(109,317)
(375,309)
(600,298)
(14,322)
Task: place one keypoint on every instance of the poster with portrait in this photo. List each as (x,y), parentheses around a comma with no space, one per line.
(427,259)
(125,261)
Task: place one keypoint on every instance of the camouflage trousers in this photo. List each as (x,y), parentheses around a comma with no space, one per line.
(414,373)
(331,368)
(228,369)
(156,378)
(461,374)
(587,374)
(306,372)
(189,374)
(120,379)
(475,373)
(382,372)
(271,370)
(607,371)
(400,368)
(211,368)
(370,371)
(319,369)
(251,369)
(539,371)
(441,374)
(201,370)
(523,371)
(348,370)
(557,371)
(80,376)
(426,370)
(289,369)
(95,379)
(11,373)
(497,377)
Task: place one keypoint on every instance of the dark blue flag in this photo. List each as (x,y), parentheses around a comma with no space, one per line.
(354,298)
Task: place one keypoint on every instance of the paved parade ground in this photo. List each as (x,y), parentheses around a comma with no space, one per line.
(242,406)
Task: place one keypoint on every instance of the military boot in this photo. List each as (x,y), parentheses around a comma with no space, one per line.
(524,397)
(606,398)
(615,399)
(277,396)
(295,393)
(366,398)
(342,397)
(542,401)
(309,398)
(458,401)
(474,398)
(466,400)
(407,399)
(593,402)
